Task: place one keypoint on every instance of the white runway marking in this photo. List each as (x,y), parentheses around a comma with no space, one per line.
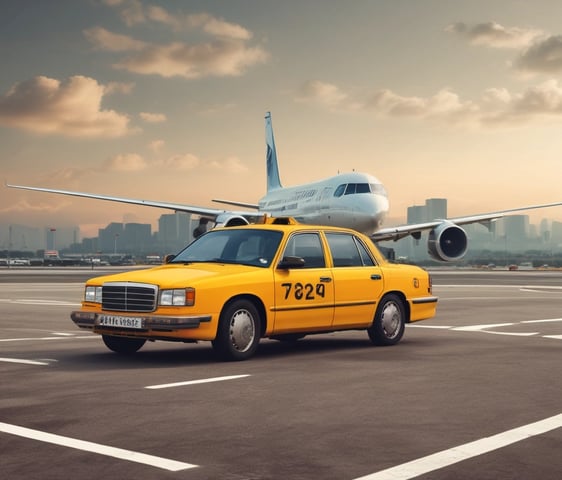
(195,382)
(21,360)
(35,301)
(454,455)
(158,462)
(28,339)
(546,320)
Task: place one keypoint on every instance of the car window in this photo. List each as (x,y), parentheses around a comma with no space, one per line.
(308,247)
(347,251)
(248,247)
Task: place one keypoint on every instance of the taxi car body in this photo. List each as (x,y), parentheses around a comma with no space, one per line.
(235,285)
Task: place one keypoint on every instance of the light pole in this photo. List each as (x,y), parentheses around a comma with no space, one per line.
(115,243)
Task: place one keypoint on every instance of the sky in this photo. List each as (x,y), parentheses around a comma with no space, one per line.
(166,101)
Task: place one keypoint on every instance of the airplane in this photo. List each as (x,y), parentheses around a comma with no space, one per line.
(353,200)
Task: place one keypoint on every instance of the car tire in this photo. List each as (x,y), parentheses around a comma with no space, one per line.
(123,345)
(390,320)
(239,330)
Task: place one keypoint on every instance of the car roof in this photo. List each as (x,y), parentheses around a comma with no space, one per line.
(287,224)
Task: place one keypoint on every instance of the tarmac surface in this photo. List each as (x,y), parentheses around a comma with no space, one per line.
(475,393)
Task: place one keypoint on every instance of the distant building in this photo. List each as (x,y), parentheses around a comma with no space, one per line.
(174,231)
(436,208)
(108,237)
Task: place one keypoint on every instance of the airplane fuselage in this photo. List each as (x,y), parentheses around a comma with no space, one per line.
(354,200)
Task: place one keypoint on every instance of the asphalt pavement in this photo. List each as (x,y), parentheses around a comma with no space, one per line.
(475,393)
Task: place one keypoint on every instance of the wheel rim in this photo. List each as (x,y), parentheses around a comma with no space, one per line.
(391,320)
(242,330)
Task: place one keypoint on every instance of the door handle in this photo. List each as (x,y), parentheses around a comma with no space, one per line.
(376,277)
(325,279)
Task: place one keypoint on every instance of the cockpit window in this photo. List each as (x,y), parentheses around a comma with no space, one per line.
(353,188)
(339,191)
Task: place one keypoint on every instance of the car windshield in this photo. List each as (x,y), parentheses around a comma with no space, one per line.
(248,247)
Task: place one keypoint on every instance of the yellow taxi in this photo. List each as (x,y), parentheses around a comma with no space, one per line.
(235,285)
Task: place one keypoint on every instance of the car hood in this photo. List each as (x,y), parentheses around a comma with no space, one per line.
(177,274)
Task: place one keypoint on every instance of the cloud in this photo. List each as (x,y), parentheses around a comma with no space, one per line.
(227,53)
(230,164)
(71,107)
(25,207)
(497,107)
(156,145)
(220,58)
(492,34)
(103,39)
(132,11)
(444,104)
(542,102)
(543,57)
(153,117)
(182,162)
(127,162)
(321,92)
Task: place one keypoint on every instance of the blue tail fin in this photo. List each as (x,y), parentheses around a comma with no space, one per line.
(273,181)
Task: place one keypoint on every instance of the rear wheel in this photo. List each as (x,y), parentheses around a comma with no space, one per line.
(123,345)
(390,321)
(239,330)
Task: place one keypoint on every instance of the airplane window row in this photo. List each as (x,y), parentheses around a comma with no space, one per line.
(353,188)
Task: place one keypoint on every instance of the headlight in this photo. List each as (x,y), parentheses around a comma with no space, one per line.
(178,297)
(92,294)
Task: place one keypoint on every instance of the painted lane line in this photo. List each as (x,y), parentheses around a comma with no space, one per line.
(158,462)
(556,337)
(546,320)
(460,453)
(442,327)
(21,360)
(28,339)
(195,382)
(513,334)
(477,328)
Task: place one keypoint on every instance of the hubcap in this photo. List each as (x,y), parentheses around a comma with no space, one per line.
(390,320)
(242,330)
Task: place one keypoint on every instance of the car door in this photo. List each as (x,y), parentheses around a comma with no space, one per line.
(304,295)
(357,279)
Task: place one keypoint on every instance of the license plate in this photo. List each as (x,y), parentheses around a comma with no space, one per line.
(119,321)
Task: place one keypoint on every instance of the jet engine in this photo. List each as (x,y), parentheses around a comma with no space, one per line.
(229,220)
(447,242)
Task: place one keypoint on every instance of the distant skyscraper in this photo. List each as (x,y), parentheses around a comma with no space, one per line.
(436,208)
(174,231)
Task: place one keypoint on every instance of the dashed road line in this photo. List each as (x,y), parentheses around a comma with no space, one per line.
(485,328)
(23,361)
(460,453)
(195,382)
(129,455)
(29,339)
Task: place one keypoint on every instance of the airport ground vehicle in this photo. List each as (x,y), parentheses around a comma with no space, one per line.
(235,285)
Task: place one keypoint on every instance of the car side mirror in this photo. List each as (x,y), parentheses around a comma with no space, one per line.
(168,258)
(290,262)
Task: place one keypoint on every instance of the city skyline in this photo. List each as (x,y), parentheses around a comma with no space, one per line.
(165,101)
(175,230)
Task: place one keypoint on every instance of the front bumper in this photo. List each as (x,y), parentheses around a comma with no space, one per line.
(144,323)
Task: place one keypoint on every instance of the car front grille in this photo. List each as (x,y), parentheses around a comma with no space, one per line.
(129,297)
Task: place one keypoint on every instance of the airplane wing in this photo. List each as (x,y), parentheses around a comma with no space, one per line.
(255,206)
(219,215)
(486,219)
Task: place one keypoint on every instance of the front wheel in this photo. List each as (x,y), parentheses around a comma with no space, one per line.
(390,320)
(123,345)
(238,332)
